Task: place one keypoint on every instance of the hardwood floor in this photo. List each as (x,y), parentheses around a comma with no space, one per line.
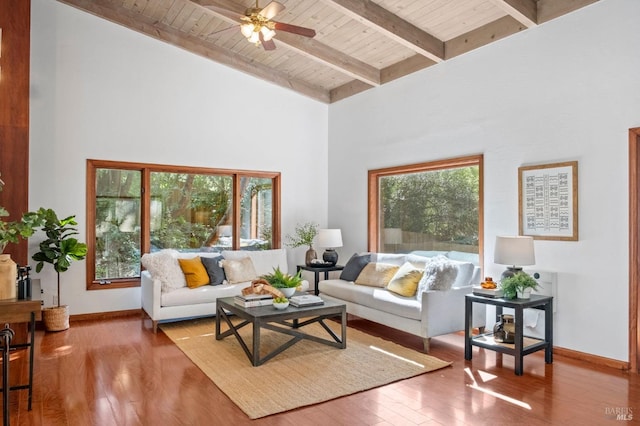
(117,372)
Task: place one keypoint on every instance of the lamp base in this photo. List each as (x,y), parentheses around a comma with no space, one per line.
(510,271)
(330,256)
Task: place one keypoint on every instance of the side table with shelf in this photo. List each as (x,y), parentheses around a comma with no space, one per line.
(522,345)
(316,273)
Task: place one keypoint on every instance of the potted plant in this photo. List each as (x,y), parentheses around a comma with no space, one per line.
(304,235)
(11,232)
(286,283)
(60,248)
(519,284)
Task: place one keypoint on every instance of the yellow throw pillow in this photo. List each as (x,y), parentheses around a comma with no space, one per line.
(194,272)
(405,281)
(376,274)
(239,271)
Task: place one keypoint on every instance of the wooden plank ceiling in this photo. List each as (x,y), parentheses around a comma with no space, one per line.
(359,44)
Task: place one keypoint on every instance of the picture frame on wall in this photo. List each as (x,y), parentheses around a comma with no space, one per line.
(548,201)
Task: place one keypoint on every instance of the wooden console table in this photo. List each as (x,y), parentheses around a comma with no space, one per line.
(20,311)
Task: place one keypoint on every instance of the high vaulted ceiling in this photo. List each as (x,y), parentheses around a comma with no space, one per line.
(359,44)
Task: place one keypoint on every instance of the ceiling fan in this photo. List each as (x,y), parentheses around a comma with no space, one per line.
(256,24)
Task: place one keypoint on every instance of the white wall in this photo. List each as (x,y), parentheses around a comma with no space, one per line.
(104,92)
(566,90)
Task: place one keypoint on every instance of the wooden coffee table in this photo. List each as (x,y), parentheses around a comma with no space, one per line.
(289,321)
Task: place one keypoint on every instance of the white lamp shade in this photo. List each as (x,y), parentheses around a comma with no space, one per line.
(224,230)
(392,235)
(516,251)
(329,238)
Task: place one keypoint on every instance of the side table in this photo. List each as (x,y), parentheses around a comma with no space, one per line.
(522,345)
(21,311)
(316,272)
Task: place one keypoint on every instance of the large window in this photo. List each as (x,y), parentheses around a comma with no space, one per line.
(433,206)
(137,208)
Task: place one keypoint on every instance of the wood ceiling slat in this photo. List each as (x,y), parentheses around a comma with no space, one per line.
(151,7)
(162,9)
(173,12)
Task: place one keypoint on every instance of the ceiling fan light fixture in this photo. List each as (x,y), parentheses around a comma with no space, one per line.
(267,33)
(254,37)
(247,29)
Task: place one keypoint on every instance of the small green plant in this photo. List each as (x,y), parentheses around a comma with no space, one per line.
(278,279)
(304,235)
(280,300)
(517,282)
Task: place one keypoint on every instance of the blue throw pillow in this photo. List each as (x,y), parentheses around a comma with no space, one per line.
(215,271)
(354,266)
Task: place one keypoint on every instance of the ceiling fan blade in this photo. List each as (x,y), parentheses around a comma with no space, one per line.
(267,44)
(271,10)
(226,12)
(307,32)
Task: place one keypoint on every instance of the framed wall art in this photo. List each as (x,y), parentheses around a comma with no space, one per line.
(548,201)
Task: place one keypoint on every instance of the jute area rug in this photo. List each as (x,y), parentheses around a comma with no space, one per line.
(304,374)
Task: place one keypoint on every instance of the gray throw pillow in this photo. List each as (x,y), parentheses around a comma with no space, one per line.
(354,266)
(215,271)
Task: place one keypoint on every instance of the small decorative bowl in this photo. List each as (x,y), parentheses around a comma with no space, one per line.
(282,305)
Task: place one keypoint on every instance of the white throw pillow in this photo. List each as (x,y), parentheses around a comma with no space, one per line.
(164,266)
(440,274)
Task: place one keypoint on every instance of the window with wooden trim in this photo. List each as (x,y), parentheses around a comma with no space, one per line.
(428,207)
(135,208)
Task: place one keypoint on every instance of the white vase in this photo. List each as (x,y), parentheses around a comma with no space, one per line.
(288,291)
(524,294)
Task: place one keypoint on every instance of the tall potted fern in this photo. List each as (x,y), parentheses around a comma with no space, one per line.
(60,248)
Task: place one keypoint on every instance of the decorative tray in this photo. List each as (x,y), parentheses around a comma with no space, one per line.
(320,264)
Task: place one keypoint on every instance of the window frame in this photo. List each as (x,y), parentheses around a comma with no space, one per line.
(145,234)
(373,182)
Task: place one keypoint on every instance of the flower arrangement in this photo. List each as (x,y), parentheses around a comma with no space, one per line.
(304,235)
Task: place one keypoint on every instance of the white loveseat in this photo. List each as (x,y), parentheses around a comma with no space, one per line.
(165,296)
(427,313)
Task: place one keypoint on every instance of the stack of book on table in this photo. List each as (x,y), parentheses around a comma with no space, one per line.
(251,300)
(305,300)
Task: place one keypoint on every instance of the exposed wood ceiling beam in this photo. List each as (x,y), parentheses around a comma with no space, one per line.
(394,27)
(310,48)
(347,89)
(479,37)
(551,9)
(136,21)
(524,11)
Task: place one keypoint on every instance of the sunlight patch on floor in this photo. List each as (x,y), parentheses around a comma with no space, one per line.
(375,348)
(505,398)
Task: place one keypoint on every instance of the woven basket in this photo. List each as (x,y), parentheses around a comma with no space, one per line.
(56,318)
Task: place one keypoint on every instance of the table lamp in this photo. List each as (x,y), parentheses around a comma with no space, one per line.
(330,239)
(514,251)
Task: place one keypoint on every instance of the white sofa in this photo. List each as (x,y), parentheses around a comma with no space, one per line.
(427,314)
(168,301)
